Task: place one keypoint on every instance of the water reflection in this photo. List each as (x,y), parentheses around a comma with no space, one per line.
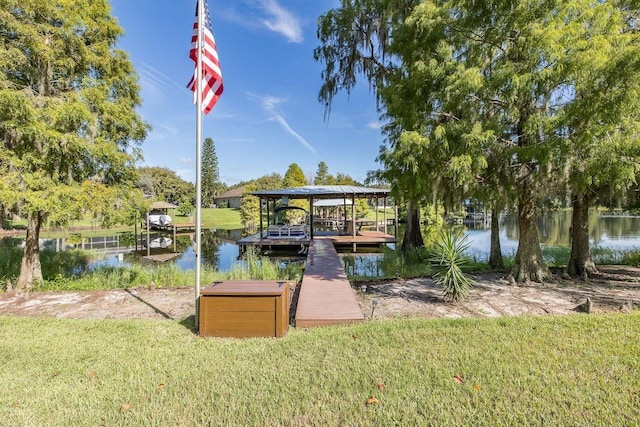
(220,251)
(615,232)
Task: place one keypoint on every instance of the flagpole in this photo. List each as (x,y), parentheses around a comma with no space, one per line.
(200,54)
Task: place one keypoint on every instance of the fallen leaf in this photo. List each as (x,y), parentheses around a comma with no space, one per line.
(92,374)
(160,386)
(458,378)
(372,401)
(477,387)
(380,386)
(126,406)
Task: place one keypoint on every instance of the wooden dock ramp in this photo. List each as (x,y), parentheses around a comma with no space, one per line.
(326,297)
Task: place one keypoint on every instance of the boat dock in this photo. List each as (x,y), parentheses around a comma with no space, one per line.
(362,238)
(189,226)
(326,297)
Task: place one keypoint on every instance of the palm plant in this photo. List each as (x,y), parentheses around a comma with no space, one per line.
(449,261)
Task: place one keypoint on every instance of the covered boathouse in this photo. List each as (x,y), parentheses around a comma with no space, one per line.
(343,229)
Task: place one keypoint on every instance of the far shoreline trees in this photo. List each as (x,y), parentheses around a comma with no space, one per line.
(163,184)
(211,185)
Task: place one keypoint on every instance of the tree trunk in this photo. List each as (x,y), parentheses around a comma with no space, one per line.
(580,261)
(2,217)
(30,269)
(412,234)
(495,255)
(529,264)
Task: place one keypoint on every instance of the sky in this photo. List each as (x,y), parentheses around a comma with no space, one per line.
(269,115)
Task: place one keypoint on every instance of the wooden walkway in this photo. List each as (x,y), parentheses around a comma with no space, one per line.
(326,297)
(364,238)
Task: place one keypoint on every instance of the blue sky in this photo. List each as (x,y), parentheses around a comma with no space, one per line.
(268,116)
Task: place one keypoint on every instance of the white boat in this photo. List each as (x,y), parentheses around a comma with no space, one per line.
(158,218)
(282,230)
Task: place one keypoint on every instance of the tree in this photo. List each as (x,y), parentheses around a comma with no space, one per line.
(167,185)
(467,84)
(68,123)
(322,175)
(211,185)
(362,208)
(146,185)
(250,209)
(344,179)
(355,40)
(185,208)
(294,177)
(602,122)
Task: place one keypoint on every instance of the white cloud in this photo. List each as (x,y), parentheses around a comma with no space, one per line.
(269,103)
(186,160)
(374,125)
(261,14)
(282,21)
(156,79)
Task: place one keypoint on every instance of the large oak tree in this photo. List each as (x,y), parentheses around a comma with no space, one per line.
(68,123)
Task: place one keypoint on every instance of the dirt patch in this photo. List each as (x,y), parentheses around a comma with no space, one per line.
(613,289)
(137,303)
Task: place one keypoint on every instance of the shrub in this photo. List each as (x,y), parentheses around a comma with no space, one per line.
(449,261)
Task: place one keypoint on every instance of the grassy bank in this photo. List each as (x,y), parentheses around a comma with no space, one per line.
(227,219)
(574,370)
(67,271)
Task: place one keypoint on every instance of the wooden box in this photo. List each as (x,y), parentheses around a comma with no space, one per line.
(244,309)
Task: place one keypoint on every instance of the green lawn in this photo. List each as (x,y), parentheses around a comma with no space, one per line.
(372,214)
(227,219)
(572,370)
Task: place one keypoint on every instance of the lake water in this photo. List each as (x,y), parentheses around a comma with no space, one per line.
(220,251)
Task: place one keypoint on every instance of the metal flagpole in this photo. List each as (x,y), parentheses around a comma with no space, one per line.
(200,54)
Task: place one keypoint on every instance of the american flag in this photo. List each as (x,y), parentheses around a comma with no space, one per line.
(211,75)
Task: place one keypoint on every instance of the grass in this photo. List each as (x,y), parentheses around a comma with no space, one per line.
(572,370)
(61,272)
(558,256)
(227,219)
(372,214)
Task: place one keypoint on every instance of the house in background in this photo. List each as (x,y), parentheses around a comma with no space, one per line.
(230,199)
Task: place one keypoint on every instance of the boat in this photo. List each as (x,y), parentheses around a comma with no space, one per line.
(158,219)
(285,227)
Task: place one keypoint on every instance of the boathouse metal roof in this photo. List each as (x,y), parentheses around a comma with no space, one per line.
(163,205)
(323,192)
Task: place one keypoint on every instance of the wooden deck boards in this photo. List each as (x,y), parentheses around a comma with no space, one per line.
(184,225)
(375,238)
(363,238)
(255,240)
(326,297)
